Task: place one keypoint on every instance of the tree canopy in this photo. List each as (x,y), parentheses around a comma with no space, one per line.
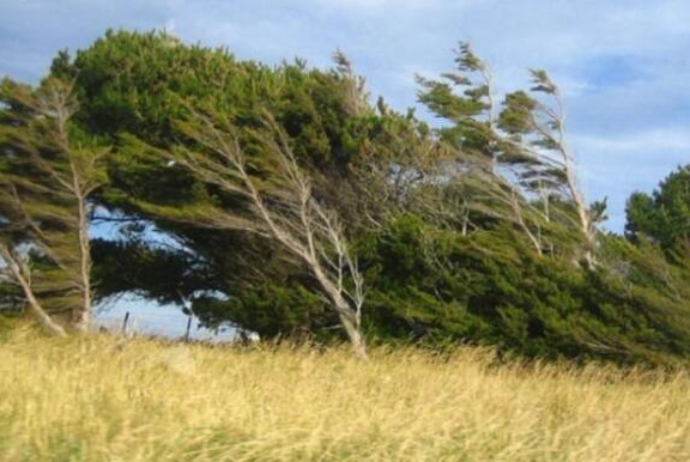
(663,216)
(293,207)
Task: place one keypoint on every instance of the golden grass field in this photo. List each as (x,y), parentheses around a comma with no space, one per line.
(103,398)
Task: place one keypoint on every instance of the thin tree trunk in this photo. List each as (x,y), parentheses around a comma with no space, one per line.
(521,221)
(354,334)
(582,213)
(348,317)
(34,305)
(82,316)
(493,127)
(299,224)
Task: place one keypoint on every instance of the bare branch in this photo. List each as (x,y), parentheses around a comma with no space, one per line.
(289,213)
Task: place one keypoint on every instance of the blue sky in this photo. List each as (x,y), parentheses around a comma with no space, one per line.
(623,65)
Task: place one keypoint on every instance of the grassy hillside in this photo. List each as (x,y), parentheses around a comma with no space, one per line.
(102,398)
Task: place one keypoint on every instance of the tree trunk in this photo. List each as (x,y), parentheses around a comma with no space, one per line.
(354,334)
(349,318)
(34,305)
(82,314)
(44,318)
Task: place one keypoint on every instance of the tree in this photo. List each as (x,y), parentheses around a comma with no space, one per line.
(465,233)
(663,216)
(540,130)
(435,287)
(48,173)
(279,206)
(17,272)
(348,151)
(517,150)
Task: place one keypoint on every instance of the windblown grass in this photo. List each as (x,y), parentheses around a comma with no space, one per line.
(100,399)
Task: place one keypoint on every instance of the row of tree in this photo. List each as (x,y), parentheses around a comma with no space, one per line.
(292,207)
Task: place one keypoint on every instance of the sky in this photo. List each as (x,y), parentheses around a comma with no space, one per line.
(150,318)
(621,64)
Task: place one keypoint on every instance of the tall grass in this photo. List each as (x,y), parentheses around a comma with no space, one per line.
(101,399)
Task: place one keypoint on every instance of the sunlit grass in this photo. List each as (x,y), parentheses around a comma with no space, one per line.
(102,398)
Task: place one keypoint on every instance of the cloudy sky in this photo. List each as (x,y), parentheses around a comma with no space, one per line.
(622,64)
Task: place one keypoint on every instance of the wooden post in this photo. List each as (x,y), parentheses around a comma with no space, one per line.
(189,327)
(124,323)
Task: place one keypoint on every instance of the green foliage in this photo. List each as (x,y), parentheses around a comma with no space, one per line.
(156,272)
(510,157)
(272,310)
(135,89)
(665,215)
(515,118)
(333,132)
(48,170)
(462,234)
(436,286)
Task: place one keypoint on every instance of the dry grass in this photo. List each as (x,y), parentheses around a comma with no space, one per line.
(94,400)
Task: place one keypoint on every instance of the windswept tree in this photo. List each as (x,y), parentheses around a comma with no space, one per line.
(276,203)
(538,131)
(361,164)
(484,170)
(514,157)
(463,233)
(48,173)
(17,271)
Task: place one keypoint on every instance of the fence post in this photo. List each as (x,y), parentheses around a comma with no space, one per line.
(124,323)
(189,327)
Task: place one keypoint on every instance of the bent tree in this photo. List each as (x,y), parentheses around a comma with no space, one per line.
(516,149)
(278,204)
(48,171)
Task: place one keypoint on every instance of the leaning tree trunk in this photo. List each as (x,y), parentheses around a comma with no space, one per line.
(20,275)
(288,215)
(82,314)
(349,317)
